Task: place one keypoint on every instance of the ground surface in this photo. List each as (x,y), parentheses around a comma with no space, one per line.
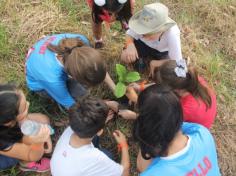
(208,38)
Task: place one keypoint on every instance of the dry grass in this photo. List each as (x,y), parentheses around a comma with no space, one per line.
(208,38)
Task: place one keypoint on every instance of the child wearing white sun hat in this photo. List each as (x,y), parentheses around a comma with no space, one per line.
(152,35)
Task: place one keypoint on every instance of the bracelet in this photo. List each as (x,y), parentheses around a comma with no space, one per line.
(128,42)
(142,85)
(122,145)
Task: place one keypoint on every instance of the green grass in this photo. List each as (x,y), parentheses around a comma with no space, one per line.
(73,9)
(4,43)
(214,63)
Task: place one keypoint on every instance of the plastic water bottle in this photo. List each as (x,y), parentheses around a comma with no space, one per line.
(30,127)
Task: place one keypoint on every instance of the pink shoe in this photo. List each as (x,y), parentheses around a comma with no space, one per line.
(42,165)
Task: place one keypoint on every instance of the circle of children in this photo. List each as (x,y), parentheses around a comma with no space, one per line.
(174,112)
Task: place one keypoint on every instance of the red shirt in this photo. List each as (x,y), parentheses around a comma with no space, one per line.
(105,16)
(196,111)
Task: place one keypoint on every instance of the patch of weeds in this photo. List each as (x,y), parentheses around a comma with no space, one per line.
(216,68)
(185,17)
(4,43)
(45,106)
(221,2)
(10,172)
(73,8)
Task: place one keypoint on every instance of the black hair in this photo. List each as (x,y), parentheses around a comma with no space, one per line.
(9,109)
(88,116)
(160,118)
(123,10)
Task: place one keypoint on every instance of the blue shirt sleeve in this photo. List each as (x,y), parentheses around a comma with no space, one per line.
(59,92)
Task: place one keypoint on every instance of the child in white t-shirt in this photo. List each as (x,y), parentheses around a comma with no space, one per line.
(75,155)
(153,35)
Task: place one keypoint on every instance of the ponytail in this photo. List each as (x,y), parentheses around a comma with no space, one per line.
(196,88)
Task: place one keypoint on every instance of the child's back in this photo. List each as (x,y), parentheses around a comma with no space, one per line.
(75,155)
(197,158)
(85,160)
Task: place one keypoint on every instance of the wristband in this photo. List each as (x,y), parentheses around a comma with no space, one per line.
(128,42)
(122,145)
(142,85)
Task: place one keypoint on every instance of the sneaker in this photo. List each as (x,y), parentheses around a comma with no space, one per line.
(98,45)
(42,165)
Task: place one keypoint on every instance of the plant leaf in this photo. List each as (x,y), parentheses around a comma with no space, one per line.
(120,90)
(121,72)
(132,77)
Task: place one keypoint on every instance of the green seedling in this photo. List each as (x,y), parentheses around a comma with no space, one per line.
(124,77)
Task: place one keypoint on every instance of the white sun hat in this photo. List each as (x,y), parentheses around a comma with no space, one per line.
(152,18)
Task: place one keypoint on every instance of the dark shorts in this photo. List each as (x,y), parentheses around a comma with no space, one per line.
(7,162)
(96,144)
(147,52)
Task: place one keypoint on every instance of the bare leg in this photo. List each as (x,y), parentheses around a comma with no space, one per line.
(97,32)
(142,164)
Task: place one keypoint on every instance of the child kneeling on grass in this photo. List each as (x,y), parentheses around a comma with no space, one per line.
(109,11)
(63,66)
(167,145)
(14,146)
(75,154)
(152,35)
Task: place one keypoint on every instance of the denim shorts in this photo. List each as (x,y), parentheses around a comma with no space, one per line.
(7,162)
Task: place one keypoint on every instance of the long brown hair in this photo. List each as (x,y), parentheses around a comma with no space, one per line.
(83,63)
(166,74)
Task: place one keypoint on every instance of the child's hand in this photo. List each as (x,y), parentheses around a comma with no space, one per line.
(110,116)
(113,105)
(136,86)
(131,53)
(127,114)
(131,94)
(119,137)
(42,136)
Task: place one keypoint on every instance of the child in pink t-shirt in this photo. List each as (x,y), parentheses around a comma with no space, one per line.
(109,11)
(197,99)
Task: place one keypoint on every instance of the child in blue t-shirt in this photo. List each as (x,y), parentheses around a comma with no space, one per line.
(168,146)
(62,65)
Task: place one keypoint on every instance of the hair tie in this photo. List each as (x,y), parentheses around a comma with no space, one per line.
(103,2)
(69,50)
(122,1)
(181,68)
(100,2)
